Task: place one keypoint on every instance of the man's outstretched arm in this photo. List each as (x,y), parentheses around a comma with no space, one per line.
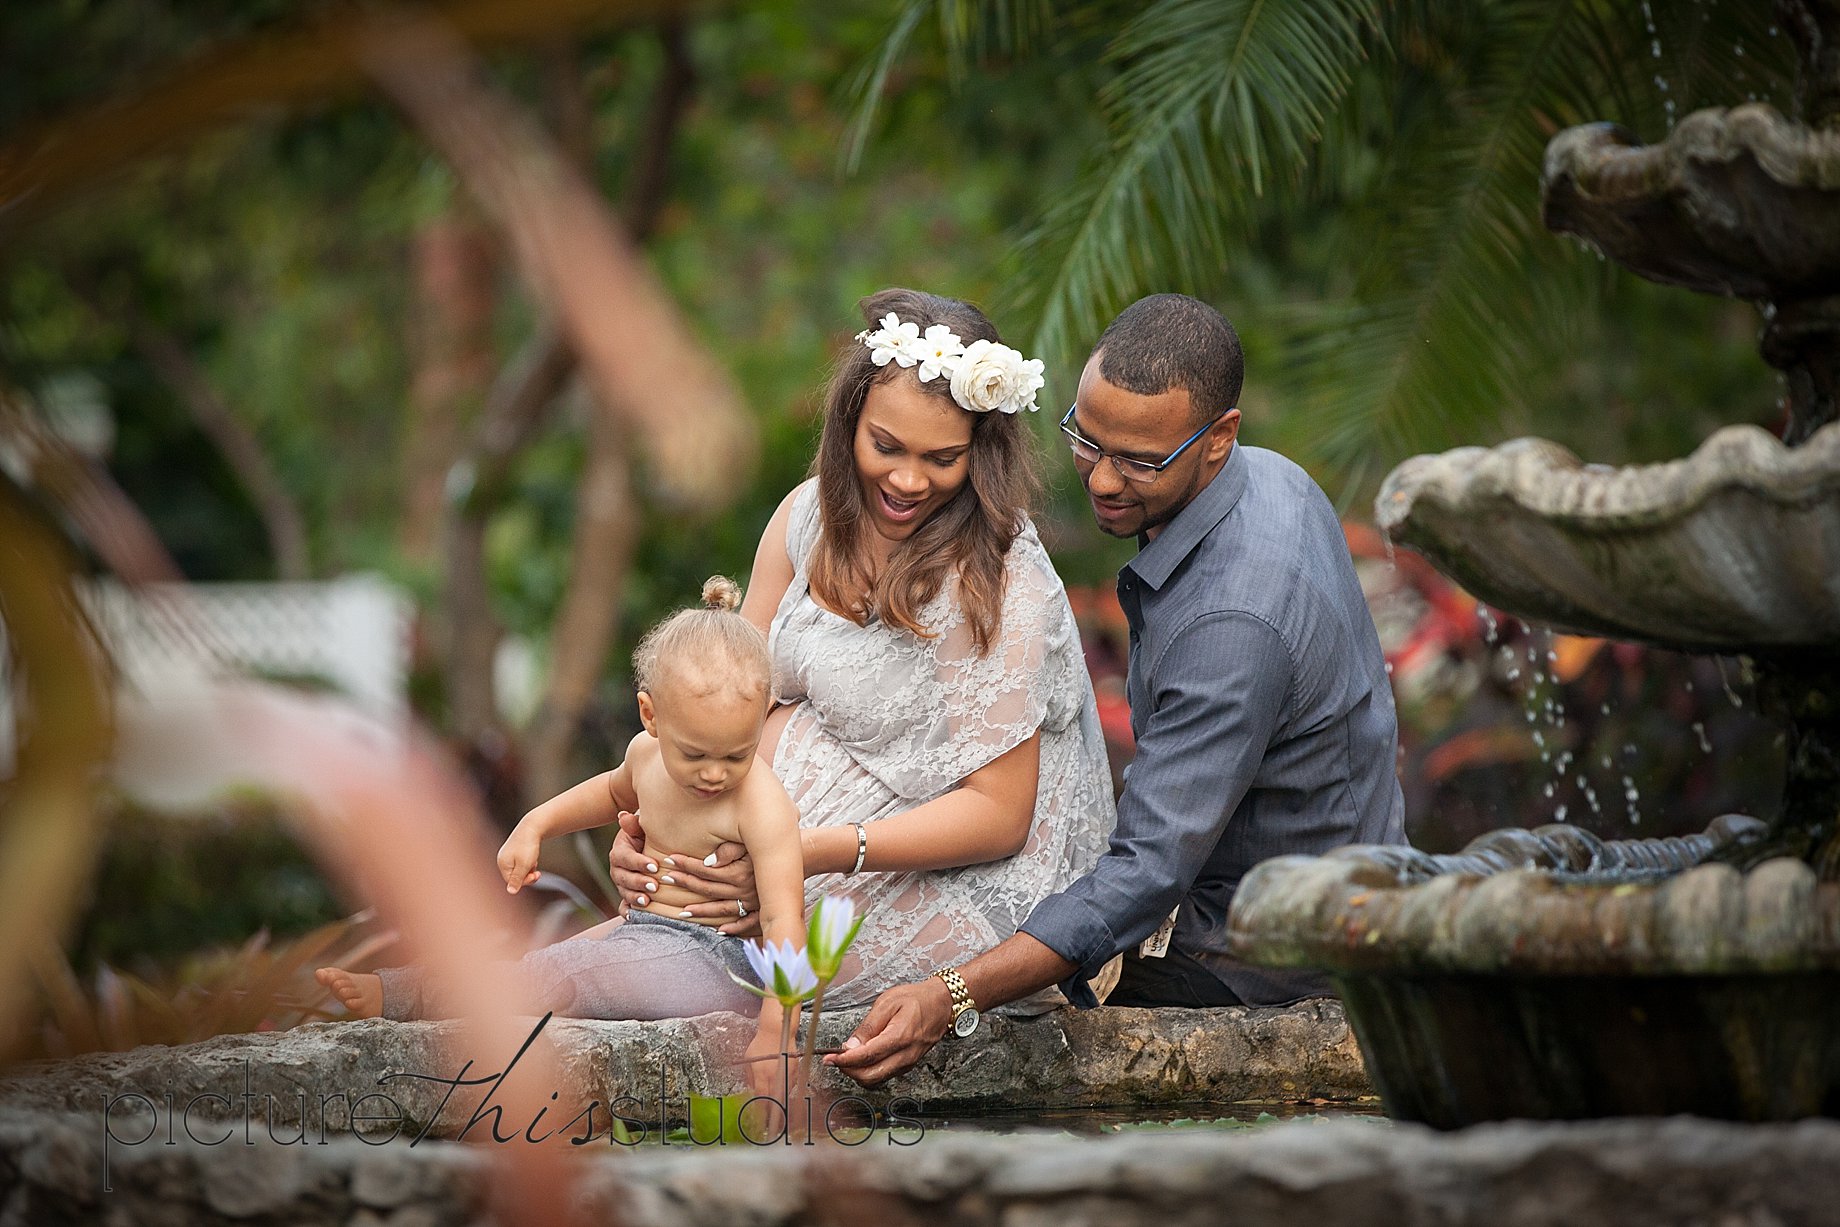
(1214,711)
(908,1019)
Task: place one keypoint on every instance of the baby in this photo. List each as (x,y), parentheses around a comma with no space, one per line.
(705,687)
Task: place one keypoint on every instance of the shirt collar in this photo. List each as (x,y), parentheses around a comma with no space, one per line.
(1158,560)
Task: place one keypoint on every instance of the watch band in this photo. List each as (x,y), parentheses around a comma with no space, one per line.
(955,985)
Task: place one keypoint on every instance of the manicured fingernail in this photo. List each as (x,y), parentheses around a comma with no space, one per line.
(710,860)
(667,879)
(643,901)
(650,868)
(685,913)
(671,861)
(653,885)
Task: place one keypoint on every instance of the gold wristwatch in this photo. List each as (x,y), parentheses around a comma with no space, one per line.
(964,1010)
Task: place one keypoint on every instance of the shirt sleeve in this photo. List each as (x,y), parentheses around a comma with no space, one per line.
(1217,695)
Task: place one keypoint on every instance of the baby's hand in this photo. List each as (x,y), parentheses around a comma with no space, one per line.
(517,860)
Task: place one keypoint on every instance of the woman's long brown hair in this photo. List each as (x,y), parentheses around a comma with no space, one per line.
(969,536)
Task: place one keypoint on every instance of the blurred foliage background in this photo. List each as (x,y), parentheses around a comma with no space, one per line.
(293,327)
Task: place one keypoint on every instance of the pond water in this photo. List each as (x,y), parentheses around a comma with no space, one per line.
(1094,1122)
(713,1121)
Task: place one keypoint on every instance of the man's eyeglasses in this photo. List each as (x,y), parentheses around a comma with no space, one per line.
(1143,472)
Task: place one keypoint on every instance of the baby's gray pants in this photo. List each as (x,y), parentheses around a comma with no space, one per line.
(647,968)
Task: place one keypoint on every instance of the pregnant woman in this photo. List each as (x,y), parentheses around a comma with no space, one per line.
(937,729)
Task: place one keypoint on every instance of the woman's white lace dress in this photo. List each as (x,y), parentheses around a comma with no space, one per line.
(886,720)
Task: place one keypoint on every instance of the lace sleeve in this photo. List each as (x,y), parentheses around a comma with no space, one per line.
(802,526)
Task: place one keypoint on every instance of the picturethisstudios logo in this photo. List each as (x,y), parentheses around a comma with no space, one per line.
(133,1119)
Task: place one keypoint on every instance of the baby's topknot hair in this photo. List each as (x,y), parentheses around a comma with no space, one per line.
(709,649)
(721,592)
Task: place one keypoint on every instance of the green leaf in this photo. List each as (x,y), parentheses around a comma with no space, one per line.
(1214,102)
(969,30)
(1462,295)
(717,1116)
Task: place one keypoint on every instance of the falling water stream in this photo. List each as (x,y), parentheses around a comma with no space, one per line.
(1530,670)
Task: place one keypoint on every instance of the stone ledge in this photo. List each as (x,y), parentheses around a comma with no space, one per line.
(1109,1056)
(1495,909)
(1631,1172)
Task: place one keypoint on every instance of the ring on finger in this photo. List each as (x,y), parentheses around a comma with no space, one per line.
(740,909)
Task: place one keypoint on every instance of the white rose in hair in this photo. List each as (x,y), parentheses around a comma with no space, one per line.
(989,376)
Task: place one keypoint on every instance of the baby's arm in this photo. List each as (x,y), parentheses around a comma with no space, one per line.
(591,803)
(769,827)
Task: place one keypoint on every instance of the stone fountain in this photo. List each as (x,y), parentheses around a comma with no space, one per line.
(1549,973)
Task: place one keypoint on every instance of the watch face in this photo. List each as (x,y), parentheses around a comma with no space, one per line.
(966,1022)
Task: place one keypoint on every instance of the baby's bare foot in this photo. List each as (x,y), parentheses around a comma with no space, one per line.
(358,991)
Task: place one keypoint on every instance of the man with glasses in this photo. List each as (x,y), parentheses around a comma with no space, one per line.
(1259,698)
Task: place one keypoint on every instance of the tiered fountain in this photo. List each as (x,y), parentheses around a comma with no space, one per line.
(1549,973)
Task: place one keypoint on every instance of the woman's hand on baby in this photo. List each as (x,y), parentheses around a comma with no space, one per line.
(725,878)
(517,860)
(634,873)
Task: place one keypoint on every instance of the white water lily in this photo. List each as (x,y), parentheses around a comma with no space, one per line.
(939,351)
(990,376)
(833,927)
(786,973)
(894,341)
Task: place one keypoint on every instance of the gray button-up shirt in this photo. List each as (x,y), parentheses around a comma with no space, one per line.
(1263,717)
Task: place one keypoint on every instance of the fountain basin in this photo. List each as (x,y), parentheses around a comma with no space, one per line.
(1551,975)
(1740,202)
(1728,550)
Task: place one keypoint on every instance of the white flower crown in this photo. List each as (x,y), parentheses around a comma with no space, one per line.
(984,375)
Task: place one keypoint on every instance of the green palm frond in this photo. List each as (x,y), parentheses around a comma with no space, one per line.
(974,30)
(1466,306)
(970,30)
(1214,101)
(867,85)
(1464,298)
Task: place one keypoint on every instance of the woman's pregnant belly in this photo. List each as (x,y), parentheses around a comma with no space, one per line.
(770,734)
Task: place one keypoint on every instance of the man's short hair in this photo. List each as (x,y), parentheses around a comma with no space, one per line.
(1173,341)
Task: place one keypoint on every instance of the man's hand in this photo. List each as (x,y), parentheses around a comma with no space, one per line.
(728,876)
(900,1028)
(908,1019)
